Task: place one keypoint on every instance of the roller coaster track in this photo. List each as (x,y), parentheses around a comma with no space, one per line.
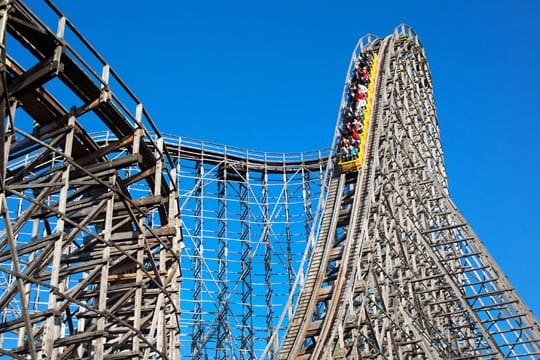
(382,281)
(343,209)
(283,255)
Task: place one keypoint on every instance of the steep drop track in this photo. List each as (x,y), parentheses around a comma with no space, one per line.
(397,272)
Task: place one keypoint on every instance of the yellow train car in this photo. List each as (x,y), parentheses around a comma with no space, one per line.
(356,164)
(351,165)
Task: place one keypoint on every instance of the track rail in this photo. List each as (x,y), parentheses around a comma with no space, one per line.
(336,253)
(359,218)
(317,266)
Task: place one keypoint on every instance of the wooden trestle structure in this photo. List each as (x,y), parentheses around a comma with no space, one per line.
(90,267)
(397,272)
(277,256)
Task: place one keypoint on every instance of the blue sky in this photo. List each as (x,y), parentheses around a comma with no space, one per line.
(268,76)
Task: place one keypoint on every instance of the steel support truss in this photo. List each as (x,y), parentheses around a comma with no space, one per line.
(247,217)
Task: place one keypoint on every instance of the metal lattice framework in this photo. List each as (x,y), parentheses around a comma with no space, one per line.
(276,255)
(247,217)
